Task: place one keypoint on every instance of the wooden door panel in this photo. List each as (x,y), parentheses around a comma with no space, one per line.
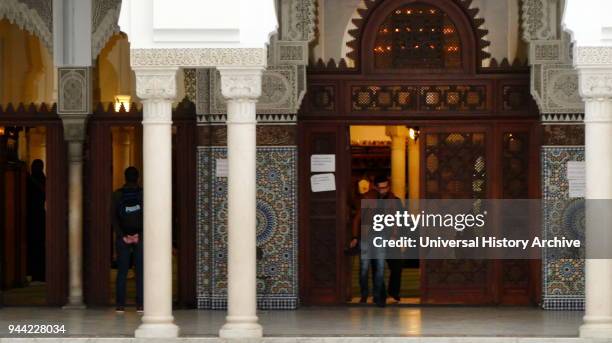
(455,165)
(516,167)
(98,235)
(321,235)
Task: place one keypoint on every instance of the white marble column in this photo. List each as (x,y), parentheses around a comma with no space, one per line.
(241,88)
(156,87)
(596,90)
(74,133)
(398,136)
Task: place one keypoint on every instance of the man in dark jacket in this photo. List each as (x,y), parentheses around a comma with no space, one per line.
(381,191)
(126,215)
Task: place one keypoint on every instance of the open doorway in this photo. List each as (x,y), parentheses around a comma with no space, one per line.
(127,152)
(115,143)
(390,152)
(23,157)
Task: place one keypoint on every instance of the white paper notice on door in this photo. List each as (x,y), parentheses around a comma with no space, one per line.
(323,163)
(221,167)
(323,182)
(576,178)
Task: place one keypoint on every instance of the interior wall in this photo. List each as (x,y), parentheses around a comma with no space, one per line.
(28,73)
(115,76)
(369,133)
(37,145)
(127,152)
(501,19)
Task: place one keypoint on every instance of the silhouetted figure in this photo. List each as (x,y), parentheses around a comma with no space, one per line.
(36,221)
(126,216)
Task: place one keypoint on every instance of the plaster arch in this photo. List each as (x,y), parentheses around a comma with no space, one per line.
(27,72)
(27,19)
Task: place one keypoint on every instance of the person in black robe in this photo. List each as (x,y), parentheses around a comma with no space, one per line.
(36,221)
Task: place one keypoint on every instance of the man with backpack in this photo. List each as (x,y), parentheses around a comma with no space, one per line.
(126,215)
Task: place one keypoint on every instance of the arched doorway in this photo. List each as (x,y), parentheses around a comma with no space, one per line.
(419,64)
(34,237)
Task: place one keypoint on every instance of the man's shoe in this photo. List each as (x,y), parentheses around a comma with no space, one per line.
(396,298)
(139,309)
(120,309)
(363,300)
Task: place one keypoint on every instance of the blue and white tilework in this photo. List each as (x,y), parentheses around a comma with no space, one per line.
(277,286)
(563,279)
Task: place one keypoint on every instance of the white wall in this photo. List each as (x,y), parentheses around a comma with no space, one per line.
(198,23)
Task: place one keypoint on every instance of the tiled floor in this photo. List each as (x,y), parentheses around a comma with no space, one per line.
(355,321)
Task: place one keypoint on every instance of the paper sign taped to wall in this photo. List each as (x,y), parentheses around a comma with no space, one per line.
(221,167)
(323,182)
(576,188)
(575,170)
(323,163)
(576,178)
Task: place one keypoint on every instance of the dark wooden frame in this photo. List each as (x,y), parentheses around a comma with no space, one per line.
(97,237)
(56,226)
(338,116)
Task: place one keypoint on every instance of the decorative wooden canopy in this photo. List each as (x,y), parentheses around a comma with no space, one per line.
(433,73)
(458,11)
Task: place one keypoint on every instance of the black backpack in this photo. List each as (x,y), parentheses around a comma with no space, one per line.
(130,210)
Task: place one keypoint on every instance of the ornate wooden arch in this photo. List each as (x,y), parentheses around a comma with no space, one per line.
(470,29)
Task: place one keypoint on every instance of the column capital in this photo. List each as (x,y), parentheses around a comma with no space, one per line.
(396,131)
(594,65)
(74,126)
(156,83)
(241,83)
(595,83)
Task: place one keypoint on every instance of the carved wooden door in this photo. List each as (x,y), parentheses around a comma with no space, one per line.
(455,164)
(322,222)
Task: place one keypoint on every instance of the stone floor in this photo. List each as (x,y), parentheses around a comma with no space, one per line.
(350,321)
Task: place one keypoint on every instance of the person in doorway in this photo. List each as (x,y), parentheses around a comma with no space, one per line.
(382,191)
(36,221)
(127,221)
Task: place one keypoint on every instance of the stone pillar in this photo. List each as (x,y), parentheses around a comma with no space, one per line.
(414,169)
(241,88)
(398,136)
(74,133)
(596,90)
(74,106)
(156,87)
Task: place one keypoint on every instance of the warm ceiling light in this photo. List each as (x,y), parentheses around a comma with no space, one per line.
(122,100)
(413,133)
(1,130)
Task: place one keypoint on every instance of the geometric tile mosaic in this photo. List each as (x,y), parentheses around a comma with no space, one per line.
(277,286)
(563,279)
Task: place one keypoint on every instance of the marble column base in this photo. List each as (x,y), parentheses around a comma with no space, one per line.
(241,330)
(74,303)
(596,328)
(157,330)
